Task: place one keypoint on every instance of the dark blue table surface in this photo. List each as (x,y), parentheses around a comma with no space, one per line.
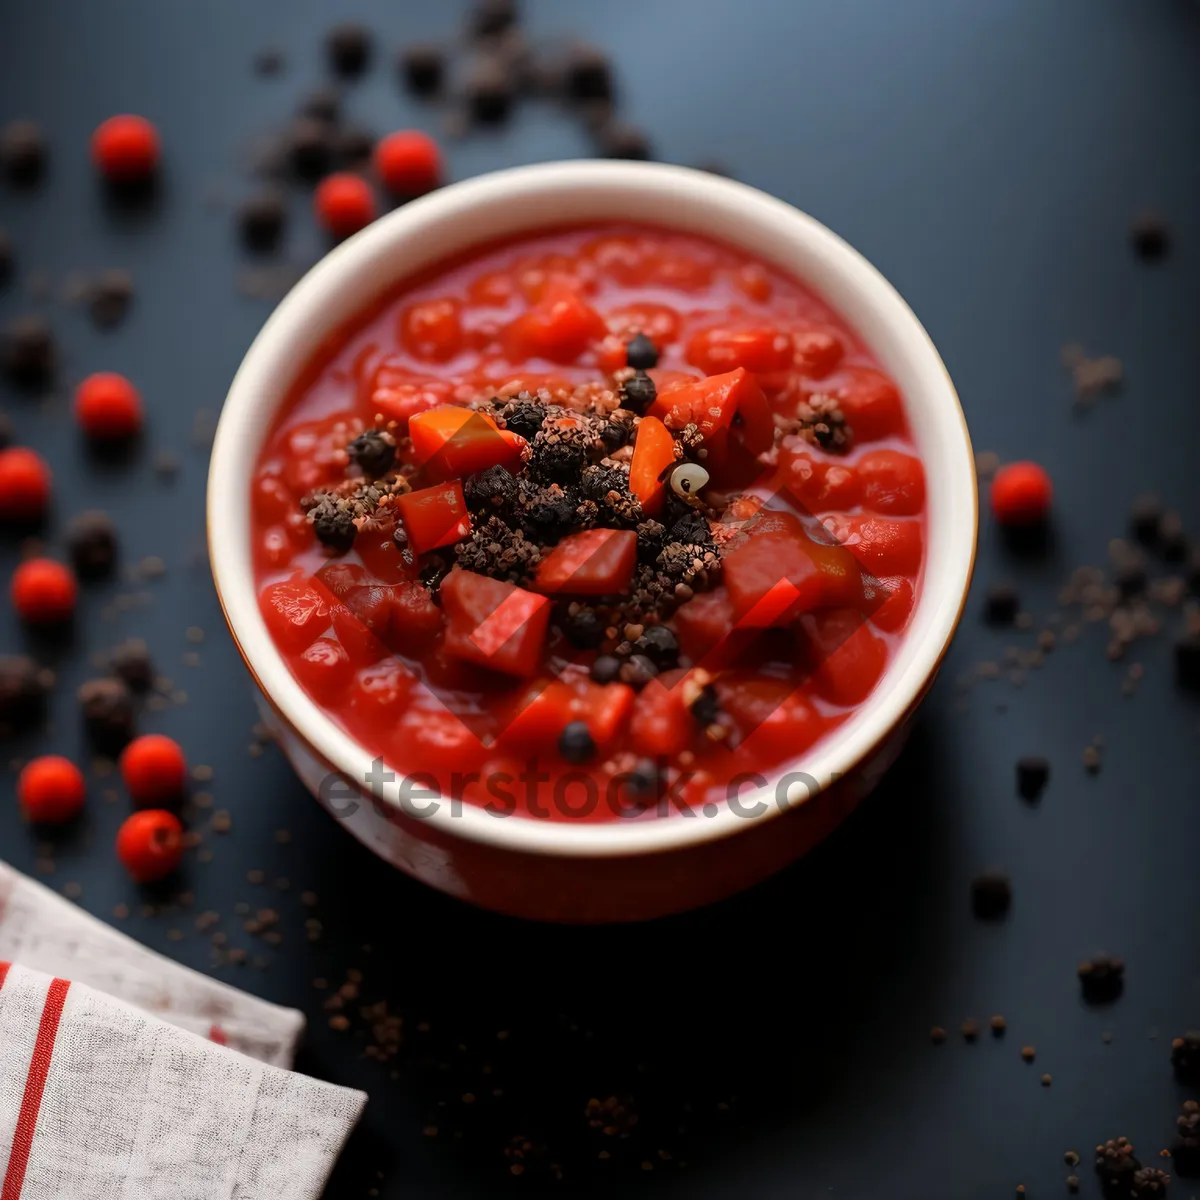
(989,157)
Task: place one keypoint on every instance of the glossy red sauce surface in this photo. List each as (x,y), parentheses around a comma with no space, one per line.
(555,310)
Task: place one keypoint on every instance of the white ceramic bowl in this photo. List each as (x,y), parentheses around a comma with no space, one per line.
(622,870)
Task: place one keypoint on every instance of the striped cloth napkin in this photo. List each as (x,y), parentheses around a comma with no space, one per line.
(124,1076)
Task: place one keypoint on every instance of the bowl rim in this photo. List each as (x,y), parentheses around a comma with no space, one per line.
(284,346)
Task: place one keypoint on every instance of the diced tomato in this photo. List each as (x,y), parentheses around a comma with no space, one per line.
(362,645)
(431,330)
(325,669)
(775,722)
(657,321)
(382,690)
(756,347)
(660,722)
(296,612)
(816,351)
(819,483)
(494,624)
(892,483)
(415,619)
(774,576)
(846,657)
(753,280)
(892,614)
(271,499)
(492,289)
(560,327)
(434,516)
(595,562)
(883,547)
(870,402)
(377,548)
(403,401)
(703,621)
(544,708)
(653,453)
(452,442)
(338,577)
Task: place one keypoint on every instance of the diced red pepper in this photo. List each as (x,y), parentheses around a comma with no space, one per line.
(776,575)
(758,348)
(653,453)
(846,657)
(818,483)
(296,612)
(543,709)
(892,483)
(703,621)
(494,624)
(560,327)
(817,351)
(773,720)
(453,442)
(325,669)
(595,562)
(434,516)
(415,619)
(884,547)
(660,723)
(712,404)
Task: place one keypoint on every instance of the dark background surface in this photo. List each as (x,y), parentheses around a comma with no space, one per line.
(989,158)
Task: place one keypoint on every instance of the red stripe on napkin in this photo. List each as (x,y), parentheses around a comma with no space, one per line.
(4,972)
(35,1087)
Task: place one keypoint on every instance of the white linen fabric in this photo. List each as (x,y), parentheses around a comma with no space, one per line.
(124,1076)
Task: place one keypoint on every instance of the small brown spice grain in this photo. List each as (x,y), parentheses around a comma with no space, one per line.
(1028,1053)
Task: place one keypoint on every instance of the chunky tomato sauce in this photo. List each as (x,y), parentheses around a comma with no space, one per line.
(532,571)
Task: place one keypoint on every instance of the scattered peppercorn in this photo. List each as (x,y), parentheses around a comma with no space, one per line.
(1185,1057)
(1144,517)
(27,354)
(1102,978)
(423,68)
(91,539)
(999,1026)
(638,393)
(584,629)
(488,90)
(107,708)
(1151,238)
(576,744)
(490,18)
(637,670)
(131,662)
(309,147)
(1116,1165)
(349,49)
(1172,540)
(1046,1080)
(937,1035)
(1033,773)
(1028,1054)
(492,490)
(991,895)
(6,256)
(659,645)
(1187,661)
(606,669)
(644,779)
(587,74)
(641,353)
(1072,1183)
(1001,604)
(524,416)
(1185,1150)
(334,527)
(373,452)
(109,298)
(1149,1182)
(619,139)
(970,1029)
(23,688)
(262,218)
(22,152)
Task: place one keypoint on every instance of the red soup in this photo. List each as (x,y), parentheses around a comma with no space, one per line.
(598,523)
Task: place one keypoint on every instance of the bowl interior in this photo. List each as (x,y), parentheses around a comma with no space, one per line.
(526,199)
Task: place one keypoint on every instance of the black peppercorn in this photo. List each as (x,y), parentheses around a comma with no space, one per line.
(489,91)
(651,540)
(423,68)
(1033,773)
(310,147)
(1151,238)
(349,48)
(638,393)
(1102,978)
(28,351)
(606,669)
(587,74)
(638,670)
(489,490)
(526,419)
(584,630)
(353,147)
(22,152)
(644,779)
(261,219)
(373,453)
(131,662)
(614,435)
(335,528)
(107,708)
(706,708)
(6,256)
(620,140)
(1144,518)
(109,298)
(1185,1058)
(490,18)
(91,539)
(23,688)
(576,744)
(641,353)
(659,645)
(1001,604)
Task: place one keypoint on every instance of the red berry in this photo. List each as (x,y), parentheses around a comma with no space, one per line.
(126,149)
(108,407)
(154,769)
(1021,494)
(43,591)
(150,844)
(344,204)
(24,484)
(50,790)
(408,163)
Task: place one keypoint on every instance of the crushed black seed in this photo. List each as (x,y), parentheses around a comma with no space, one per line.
(820,420)
(1102,978)
(1172,541)
(1185,1058)
(991,895)
(261,220)
(22,152)
(1033,773)
(91,539)
(638,393)
(109,298)
(496,549)
(651,541)
(525,415)
(548,513)
(1001,604)
(334,526)
(28,353)
(618,139)
(349,49)
(23,689)
(423,69)
(373,452)
(1151,237)
(576,744)
(641,353)
(614,434)
(493,490)
(107,708)
(131,663)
